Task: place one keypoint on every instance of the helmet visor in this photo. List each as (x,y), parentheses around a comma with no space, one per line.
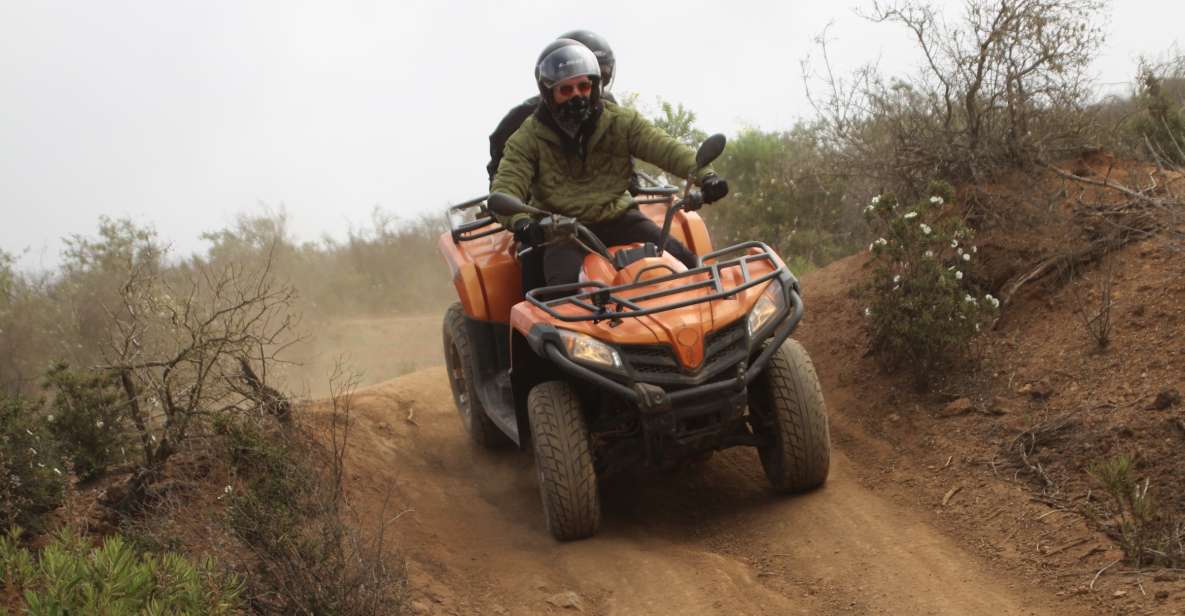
(567,62)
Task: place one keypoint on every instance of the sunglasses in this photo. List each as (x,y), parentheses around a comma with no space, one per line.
(569,89)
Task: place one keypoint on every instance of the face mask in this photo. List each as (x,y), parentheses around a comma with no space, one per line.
(572,113)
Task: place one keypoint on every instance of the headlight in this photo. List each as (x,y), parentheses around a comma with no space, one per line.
(769,304)
(590,350)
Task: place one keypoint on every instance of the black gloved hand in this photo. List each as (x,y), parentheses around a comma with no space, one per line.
(713,187)
(528,232)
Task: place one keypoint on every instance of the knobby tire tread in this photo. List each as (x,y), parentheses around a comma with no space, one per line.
(800,417)
(563,457)
(479,426)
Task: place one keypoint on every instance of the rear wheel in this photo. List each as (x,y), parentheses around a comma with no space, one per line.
(458,349)
(789,414)
(563,461)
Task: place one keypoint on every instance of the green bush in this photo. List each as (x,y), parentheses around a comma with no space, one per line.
(921,312)
(69,576)
(32,476)
(88,419)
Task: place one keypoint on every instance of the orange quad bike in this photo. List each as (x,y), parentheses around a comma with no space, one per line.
(642,363)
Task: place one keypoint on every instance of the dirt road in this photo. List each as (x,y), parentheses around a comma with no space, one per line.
(710,539)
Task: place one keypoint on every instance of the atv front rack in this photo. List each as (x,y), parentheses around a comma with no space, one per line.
(604,302)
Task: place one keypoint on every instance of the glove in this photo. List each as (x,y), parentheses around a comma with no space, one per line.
(528,232)
(713,187)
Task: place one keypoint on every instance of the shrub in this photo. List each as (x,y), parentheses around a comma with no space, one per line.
(921,312)
(783,194)
(1159,128)
(1001,84)
(69,576)
(88,419)
(1135,510)
(290,511)
(32,477)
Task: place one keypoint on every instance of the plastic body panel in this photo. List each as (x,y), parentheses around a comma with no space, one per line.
(485,273)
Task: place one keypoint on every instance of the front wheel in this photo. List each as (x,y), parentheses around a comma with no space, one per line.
(563,461)
(789,414)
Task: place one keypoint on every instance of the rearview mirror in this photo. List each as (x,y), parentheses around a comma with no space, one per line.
(503,204)
(710,150)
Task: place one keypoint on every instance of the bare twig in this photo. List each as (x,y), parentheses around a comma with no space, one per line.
(1096,576)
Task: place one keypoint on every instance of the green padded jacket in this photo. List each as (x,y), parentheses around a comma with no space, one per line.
(593,189)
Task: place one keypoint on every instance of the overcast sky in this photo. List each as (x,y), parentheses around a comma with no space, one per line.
(182,114)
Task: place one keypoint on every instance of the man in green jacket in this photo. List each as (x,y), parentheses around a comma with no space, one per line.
(573,156)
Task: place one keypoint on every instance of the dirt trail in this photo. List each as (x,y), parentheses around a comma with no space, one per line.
(710,539)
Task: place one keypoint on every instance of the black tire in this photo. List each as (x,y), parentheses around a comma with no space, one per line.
(791,416)
(458,351)
(563,461)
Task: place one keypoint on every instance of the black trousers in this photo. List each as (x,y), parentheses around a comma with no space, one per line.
(561,262)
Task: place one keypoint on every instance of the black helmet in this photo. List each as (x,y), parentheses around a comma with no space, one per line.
(600,48)
(565,59)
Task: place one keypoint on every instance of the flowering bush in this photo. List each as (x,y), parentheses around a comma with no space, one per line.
(32,476)
(88,419)
(921,312)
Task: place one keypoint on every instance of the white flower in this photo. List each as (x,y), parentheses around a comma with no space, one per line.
(959,251)
(909,215)
(870,247)
(880,241)
(991,300)
(975,249)
(227,490)
(55,469)
(929,254)
(954,243)
(897,278)
(936,200)
(966,256)
(99,424)
(970,300)
(958,275)
(29,432)
(925,228)
(876,200)
(977,327)
(897,287)
(867,312)
(49,418)
(32,451)
(869,208)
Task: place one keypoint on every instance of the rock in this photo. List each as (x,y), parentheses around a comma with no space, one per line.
(961,406)
(1119,593)
(1039,390)
(998,407)
(567,600)
(1165,400)
(1161,595)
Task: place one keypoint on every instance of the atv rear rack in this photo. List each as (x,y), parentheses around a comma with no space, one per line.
(597,301)
(474,229)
